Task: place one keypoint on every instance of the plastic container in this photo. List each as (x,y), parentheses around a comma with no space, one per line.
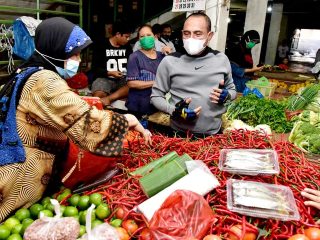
(249,161)
(261,200)
(265,87)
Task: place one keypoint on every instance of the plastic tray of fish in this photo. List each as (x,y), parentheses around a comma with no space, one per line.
(261,200)
(249,161)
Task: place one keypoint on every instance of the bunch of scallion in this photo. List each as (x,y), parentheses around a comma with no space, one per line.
(299,101)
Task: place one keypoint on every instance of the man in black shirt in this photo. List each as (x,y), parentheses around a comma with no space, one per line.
(110,65)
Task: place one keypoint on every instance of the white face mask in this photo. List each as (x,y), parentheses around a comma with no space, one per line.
(194,46)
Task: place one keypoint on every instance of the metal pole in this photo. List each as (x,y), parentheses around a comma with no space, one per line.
(115,10)
(143,10)
(38,7)
(80,13)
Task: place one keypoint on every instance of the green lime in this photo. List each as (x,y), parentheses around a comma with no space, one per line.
(4,232)
(95,198)
(45,201)
(46,213)
(26,223)
(11,222)
(116,222)
(63,195)
(70,211)
(95,223)
(22,213)
(74,200)
(49,206)
(103,211)
(17,228)
(82,231)
(82,217)
(15,236)
(77,217)
(35,209)
(84,202)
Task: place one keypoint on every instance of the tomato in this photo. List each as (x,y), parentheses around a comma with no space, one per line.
(212,237)
(122,233)
(298,237)
(130,225)
(145,234)
(237,230)
(120,212)
(312,233)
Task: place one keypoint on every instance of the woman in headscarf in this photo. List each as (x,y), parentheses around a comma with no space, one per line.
(241,59)
(48,113)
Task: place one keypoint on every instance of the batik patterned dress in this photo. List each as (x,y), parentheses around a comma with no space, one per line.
(48,114)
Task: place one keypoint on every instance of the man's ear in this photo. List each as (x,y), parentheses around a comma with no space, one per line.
(210,35)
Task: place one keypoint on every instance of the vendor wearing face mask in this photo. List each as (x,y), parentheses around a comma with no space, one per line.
(241,59)
(141,73)
(199,81)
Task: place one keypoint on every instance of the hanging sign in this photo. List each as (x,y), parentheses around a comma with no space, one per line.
(188,5)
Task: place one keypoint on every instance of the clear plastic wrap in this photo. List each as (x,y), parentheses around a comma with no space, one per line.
(53,228)
(249,161)
(261,200)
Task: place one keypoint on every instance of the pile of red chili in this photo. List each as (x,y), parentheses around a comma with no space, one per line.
(296,172)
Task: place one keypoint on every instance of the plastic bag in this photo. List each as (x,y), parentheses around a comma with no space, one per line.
(53,228)
(254,91)
(184,215)
(23,42)
(101,232)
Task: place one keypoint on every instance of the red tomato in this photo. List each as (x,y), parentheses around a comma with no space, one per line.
(145,234)
(130,225)
(298,237)
(122,233)
(212,237)
(120,213)
(312,233)
(237,230)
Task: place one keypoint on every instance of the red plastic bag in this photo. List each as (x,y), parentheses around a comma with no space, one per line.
(82,167)
(78,81)
(184,215)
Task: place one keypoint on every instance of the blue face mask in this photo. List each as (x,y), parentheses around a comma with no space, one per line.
(70,70)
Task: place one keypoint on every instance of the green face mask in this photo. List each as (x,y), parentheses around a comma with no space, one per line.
(147,42)
(250,45)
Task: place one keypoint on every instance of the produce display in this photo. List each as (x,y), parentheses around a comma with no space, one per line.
(116,199)
(254,111)
(301,100)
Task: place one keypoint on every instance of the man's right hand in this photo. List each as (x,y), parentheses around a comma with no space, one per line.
(115,74)
(183,112)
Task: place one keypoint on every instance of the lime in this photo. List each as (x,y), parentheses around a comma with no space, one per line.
(116,222)
(74,199)
(26,223)
(82,231)
(46,213)
(15,236)
(64,194)
(77,217)
(35,209)
(84,202)
(17,228)
(49,206)
(95,223)
(82,217)
(45,201)
(70,211)
(103,211)
(11,222)
(4,232)
(22,213)
(95,198)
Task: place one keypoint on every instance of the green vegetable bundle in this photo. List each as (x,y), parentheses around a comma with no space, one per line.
(254,111)
(300,101)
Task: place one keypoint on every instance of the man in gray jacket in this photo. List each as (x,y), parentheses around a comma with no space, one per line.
(199,81)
